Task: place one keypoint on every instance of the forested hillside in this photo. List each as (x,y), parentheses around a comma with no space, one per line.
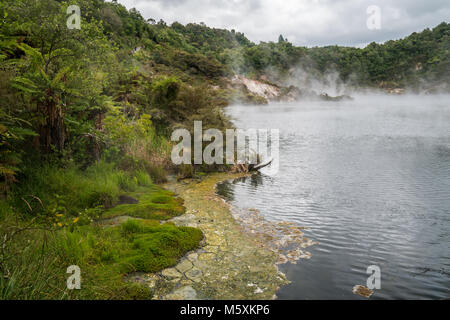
(58,85)
(86,115)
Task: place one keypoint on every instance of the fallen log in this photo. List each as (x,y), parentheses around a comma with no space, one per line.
(248,167)
(262,165)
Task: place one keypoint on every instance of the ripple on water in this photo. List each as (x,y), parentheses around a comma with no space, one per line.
(371,180)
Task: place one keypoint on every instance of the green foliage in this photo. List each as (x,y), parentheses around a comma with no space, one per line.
(165,90)
(90,93)
(409,62)
(50,191)
(134,143)
(58,76)
(13,131)
(122,132)
(185,104)
(104,255)
(154,203)
(157,173)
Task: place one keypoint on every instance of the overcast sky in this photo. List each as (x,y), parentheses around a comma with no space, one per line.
(303,22)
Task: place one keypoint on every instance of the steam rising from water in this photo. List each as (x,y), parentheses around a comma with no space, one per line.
(370,177)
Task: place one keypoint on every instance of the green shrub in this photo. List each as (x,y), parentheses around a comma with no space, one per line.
(157,173)
(70,191)
(143,178)
(126,181)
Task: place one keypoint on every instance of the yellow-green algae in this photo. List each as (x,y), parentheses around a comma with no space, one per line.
(232,264)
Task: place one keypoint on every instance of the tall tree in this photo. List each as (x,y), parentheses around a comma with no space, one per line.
(59,75)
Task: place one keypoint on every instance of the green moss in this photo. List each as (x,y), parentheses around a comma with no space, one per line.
(105,256)
(135,246)
(154,203)
(154,247)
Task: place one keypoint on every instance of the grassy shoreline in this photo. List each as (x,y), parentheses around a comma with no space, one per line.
(64,229)
(173,241)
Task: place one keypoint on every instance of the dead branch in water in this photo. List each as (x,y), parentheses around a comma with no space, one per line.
(248,167)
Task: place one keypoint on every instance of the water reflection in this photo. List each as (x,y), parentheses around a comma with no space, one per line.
(226,189)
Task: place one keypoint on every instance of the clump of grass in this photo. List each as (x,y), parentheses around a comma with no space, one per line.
(126,182)
(131,226)
(143,178)
(184,171)
(157,173)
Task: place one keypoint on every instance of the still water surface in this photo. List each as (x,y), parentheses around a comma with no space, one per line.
(371,179)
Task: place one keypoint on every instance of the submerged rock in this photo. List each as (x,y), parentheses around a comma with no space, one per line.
(171,273)
(185,293)
(362,291)
(184,266)
(284,238)
(326,97)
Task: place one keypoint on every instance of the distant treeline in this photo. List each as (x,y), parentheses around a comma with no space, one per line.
(199,49)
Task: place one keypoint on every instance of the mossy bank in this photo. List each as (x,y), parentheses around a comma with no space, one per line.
(231,264)
(76,229)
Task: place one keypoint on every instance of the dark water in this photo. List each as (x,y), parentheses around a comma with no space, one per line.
(371,178)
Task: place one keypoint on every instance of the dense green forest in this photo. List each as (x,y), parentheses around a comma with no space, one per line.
(86,116)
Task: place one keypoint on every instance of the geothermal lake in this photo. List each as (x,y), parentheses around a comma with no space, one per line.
(371,179)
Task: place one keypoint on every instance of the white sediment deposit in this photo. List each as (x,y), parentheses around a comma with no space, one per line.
(256,87)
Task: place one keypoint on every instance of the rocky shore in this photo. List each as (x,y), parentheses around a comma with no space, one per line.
(238,257)
(262,92)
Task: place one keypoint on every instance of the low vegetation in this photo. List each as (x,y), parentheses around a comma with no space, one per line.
(65,229)
(154,203)
(34,263)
